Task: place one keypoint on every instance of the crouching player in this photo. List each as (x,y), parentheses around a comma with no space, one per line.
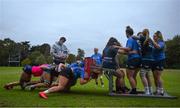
(67,78)
(109,61)
(42,71)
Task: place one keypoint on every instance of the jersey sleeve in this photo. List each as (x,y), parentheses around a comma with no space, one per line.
(129,43)
(115,50)
(82,74)
(161,44)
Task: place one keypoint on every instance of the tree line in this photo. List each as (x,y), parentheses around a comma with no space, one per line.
(13,53)
(20,53)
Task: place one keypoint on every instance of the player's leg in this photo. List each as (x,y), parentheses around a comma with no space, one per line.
(10,85)
(63,81)
(45,81)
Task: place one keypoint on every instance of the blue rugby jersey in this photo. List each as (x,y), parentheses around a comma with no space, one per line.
(133,45)
(98,58)
(159,53)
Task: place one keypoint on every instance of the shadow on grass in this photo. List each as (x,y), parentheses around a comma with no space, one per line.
(88,93)
(71,92)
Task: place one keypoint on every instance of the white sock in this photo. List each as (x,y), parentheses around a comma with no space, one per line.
(46,91)
(161,90)
(32,86)
(150,89)
(146,90)
(157,90)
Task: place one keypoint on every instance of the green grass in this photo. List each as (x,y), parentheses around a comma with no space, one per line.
(86,95)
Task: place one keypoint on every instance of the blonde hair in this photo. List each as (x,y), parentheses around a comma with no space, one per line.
(145,32)
(159,35)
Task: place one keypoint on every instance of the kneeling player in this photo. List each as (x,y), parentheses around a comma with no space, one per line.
(42,71)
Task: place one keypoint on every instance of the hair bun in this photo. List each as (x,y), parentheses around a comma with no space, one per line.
(128,27)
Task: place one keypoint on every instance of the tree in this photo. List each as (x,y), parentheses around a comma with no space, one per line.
(26,61)
(33,56)
(11,50)
(25,49)
(44,49)
(49,59)
(3,53)
(40,60)
(7,48)
(173,52)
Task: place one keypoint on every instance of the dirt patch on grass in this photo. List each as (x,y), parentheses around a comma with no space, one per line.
(4,104)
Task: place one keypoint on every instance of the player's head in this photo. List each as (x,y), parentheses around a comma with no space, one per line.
(62,40)
(129,31)
(95,50)
(25,76)
(145,32)
(112,41)
(158,36)
(139,34)
(27,69)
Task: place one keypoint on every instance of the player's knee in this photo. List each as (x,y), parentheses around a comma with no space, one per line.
(129,76)
(47,83)
(143,73)
(60,87)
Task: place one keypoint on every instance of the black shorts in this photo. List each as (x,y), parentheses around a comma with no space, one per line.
(133,63)
(146,64)
(158,65)
(67,72)
(109,65)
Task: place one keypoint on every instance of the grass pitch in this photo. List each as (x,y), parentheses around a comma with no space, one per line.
(84,96)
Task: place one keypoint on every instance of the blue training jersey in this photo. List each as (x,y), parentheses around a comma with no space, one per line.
(98,58)
(159,53)
(77,71)
(133,45)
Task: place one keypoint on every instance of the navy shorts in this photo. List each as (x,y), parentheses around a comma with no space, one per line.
(158,65)
(109,65)
(133,63)
(146,64)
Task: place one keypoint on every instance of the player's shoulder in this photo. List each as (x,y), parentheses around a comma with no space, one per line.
(99,54)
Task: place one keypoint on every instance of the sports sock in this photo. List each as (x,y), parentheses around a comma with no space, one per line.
(150,89)
(46,91)
(161,90)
